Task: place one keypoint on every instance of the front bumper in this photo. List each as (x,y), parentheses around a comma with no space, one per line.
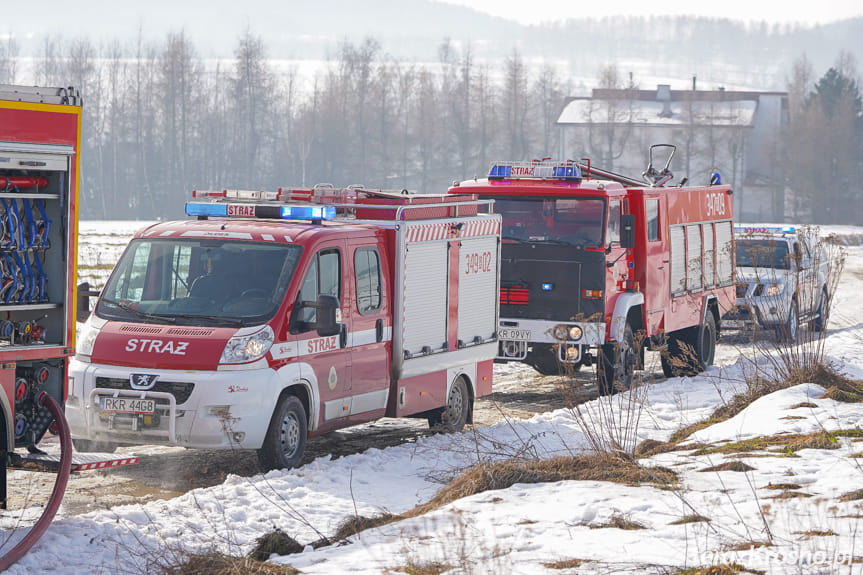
(764,311)
(517,336)
(197,409)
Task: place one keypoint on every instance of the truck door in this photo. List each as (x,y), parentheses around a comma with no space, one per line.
(371,332)
(657,265)
(328,357)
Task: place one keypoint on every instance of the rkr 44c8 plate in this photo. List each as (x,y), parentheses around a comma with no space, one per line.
(128,405)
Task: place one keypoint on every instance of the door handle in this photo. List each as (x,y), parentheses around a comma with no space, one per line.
(343,336)
(379,330)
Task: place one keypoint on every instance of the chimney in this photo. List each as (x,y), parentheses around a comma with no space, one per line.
(663,94)
(693,83)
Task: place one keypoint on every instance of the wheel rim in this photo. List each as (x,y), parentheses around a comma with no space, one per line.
(290,435)
(455,405)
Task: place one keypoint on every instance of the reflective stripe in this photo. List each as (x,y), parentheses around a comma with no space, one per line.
(314,346)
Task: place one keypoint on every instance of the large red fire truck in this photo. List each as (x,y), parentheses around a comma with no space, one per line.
(273,316)
(592,260)
(40,141)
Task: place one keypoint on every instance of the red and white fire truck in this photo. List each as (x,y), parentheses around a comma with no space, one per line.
(592,260)
(273,316)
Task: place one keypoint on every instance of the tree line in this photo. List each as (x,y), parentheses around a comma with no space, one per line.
(160,120)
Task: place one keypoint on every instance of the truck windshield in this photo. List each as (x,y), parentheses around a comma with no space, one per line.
(199,282)
(762,254)
(573,221)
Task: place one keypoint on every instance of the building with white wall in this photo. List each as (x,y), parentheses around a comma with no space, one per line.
(737,133)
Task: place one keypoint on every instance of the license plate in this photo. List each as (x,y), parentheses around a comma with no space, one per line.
(128,405)
(517,334)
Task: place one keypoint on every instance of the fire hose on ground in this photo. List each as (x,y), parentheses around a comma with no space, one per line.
(60,483)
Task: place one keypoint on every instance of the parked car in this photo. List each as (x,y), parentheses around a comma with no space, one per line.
(782,279)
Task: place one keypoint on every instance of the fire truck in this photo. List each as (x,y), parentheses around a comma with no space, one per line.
(273,316)
(40,141)
(597,267)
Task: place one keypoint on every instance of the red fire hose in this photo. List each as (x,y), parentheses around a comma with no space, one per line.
(59,485)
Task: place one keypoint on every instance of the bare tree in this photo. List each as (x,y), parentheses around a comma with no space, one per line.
(9,52)
(610,118)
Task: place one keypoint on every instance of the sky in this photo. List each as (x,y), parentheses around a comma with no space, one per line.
(538,11)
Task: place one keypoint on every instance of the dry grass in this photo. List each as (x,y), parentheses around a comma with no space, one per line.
(504,474)
(736,465)
(357,523)
(427,568)
(564,564)
(784,444)
(782,486)
(693,518)
(791,495)
(218,564)
(816,533)
(618,521)
(852,495)
(277,542)
(804,404)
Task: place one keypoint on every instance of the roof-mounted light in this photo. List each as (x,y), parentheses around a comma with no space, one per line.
(564,171)
(263,211)
(308,212)
(248,195)
(765,229)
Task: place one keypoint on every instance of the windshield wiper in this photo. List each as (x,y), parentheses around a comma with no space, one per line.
(231,321)
(136,312)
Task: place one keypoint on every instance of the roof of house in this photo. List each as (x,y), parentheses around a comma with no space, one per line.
(663,107)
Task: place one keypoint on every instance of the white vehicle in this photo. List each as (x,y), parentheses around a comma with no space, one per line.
(782,281)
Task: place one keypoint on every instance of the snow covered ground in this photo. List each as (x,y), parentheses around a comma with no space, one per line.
(782,516)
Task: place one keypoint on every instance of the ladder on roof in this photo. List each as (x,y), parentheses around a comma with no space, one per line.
(39,95)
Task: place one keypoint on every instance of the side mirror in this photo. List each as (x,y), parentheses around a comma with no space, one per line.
(627,231)
(82,303)
(327,305)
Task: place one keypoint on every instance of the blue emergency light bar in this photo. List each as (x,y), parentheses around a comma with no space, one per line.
(244,210)
(308,212)
(538,170)
(765,229)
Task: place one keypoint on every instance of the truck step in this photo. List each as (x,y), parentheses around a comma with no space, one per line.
(80,461)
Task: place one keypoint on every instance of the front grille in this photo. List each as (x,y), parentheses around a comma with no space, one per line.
(180,390)
(514,296)
(189,331)
(140,328)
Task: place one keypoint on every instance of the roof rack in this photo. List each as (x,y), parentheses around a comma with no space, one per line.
(325,202)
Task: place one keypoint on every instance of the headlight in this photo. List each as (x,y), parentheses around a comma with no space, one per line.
(246,348)
(86,341)
(561,331)
(774,290)
(575,333)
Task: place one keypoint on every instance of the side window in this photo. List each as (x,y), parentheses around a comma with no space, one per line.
(367,270)
(322,277)
(613,233)
(651,213)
